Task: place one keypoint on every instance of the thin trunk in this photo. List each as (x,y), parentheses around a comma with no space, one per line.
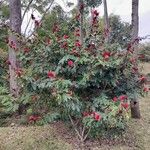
(106,21)
(135,110)
(15,26)
(81,9)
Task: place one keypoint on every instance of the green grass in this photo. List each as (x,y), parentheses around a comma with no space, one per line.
(31,138)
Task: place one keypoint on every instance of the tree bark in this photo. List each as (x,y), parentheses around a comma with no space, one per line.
(135,109)
(106,21)
(81,9)
(15,27)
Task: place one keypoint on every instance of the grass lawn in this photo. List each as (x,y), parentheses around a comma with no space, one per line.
(50,138)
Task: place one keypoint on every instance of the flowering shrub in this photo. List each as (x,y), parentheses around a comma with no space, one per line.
(90,83)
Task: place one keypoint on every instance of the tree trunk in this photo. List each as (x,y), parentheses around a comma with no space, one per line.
(81,9)
(106,21)
(135,110)
(15,26)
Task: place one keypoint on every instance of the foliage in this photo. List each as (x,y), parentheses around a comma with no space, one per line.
(120,31)
(91,84)
(144,53)
(7,102)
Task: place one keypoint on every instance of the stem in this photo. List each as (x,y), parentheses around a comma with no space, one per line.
(76,130)
(26,10)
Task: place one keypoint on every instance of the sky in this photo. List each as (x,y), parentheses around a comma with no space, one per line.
(123,8)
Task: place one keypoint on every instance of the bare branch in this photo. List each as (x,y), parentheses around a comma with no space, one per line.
(26,9)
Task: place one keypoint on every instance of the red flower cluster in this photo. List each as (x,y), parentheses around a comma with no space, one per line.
(51,74)
(106,55)
(70,63)
(121,98)
(19,72)
(125,105)
(26,50)
(77,17)
(12,44)
(77,32)
(34,118)
(96,116)
(66,37)
(142,78)
(146,89)
(95,15)
(48,41)
(77,44)
(8,62)
(64,45)
(55,28)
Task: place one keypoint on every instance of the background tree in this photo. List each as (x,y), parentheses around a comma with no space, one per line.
(106,21)
(135,110)
(15,26)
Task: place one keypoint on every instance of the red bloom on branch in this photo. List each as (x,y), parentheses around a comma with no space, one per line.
(95,13)
(34,118)
(55,28)
(97,116)
(77,17)
(123,97)
(51,74)
(19,72)
(12,45)
(48,41)
(146,89)
(125,105)
(26,49)
(77,44)
(8,62)
(66,36)
(70,63)
(142,78)
(81,6)
(115,99)
(106,55)
(64,45)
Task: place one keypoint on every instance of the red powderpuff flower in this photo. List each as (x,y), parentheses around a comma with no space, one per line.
(95,13)
(82,6)
(77,44)
(70,63)
(26,49)
(48,41)
(34,118)
(66,36)
(8,62)
(19,72)
(132,60)
(106,55)
(146,89)
(123,97)
(97,116)
(142,78)
(115,99)
(77,17)
(134,69)
(125,105)
(64,45)
(51,74)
